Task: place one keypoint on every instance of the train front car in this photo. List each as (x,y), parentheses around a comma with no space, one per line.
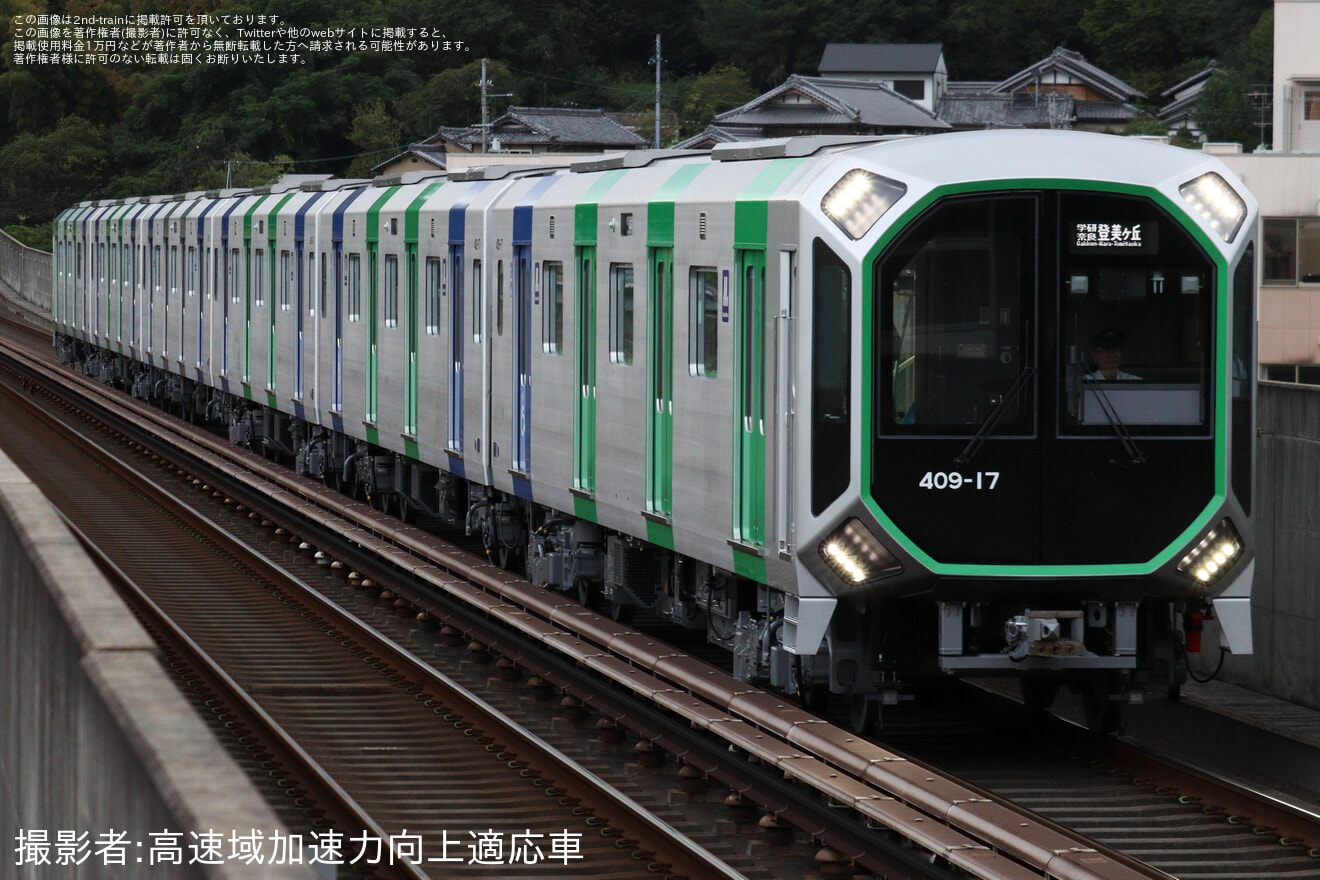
(1050,420)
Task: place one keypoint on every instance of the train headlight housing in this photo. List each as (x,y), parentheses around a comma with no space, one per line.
(854,554)
(1216,202)
(859,199)
(1214,555)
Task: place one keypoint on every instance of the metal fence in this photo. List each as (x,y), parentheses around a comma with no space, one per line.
(26,271)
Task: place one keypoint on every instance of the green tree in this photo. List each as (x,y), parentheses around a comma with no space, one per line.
(1226,112)
(710,94)
(41,175)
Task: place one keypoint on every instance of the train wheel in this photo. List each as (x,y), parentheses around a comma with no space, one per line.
(621,612)
(1038,693)
(1103,715)
(588,593)
(864,714)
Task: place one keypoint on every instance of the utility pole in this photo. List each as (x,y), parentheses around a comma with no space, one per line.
(485,123)
(657,91)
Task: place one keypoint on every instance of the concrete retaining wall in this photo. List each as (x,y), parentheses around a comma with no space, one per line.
(96,739)
(1285,600)
(27,272)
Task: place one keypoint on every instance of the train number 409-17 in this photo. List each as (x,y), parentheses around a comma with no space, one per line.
(955,480)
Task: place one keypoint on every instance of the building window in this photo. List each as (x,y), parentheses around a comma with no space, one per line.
(1311,105)
(703,321)
(552,321)
(912,89)
(1292,250)
(621,313)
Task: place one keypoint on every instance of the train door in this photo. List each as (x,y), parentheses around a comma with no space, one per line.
(456,334)
(660,382)
(373,332)
(785,398)
(522,340)
(410,311)
(584,401)
(749,406)
(298,326)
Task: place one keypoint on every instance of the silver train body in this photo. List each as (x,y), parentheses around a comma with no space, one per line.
(831,400)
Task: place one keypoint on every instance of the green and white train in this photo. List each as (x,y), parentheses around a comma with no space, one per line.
(832,400)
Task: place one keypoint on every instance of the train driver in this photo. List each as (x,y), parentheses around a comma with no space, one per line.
(1107,353)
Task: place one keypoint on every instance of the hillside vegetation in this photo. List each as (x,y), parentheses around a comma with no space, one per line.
(73,132)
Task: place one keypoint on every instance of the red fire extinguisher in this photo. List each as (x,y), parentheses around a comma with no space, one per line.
(1193,622)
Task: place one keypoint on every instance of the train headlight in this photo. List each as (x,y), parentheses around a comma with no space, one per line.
(1214,555)
(1212,198)
(859,199)
(854,554)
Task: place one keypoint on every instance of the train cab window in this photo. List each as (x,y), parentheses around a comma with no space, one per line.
(552,321)
(478,312)
(621,313)
(499,297)
(957,293)
(703,322)
(831,376)
(1136,301)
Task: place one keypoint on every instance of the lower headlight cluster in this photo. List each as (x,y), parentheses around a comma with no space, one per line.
(856,556)
(1214,555)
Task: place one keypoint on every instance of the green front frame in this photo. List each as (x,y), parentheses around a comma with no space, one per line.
(1211,510)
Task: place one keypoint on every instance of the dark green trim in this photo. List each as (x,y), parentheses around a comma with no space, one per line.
(660,534)
(1221,427)
(585,508)
(411,449)
(272,233)
(749,566)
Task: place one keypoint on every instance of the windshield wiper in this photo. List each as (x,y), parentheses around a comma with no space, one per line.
(1111,415)
(993,418)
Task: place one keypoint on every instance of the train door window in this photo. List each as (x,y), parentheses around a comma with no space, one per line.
(354,288)
(432,296)
(831,376)
(391,290)
(1135,318)
(258,273)
(957,292)
(478,313)
(621,313)
(286,279)
(323,284)
(234,263)
(703,321)
(552,319)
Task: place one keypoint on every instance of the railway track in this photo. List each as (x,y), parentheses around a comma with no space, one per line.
(964,828)
(388,755)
